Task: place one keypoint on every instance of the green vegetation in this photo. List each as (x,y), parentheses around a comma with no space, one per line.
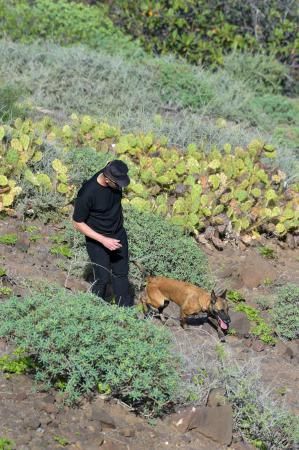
(62,250)
(285,312)
(62,332)
(163,95)
(189,135)
(4,290)
(258,418)
(202,31)
(195,189)
(261,329)
(8,238)
(61,440)
(6,444)
(10,107)
(267,252)
(65,22)
(235,296)
(17,363)
(158,245)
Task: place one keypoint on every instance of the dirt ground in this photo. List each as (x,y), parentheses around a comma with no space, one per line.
(36,420)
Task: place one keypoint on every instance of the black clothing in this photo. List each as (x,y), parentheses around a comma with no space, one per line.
(99,207)
(104,259)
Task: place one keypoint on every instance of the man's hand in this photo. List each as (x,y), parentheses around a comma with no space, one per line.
(110,243)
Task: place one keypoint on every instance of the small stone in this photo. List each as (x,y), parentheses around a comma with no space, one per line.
(127,432)
(258,346)
(290,240)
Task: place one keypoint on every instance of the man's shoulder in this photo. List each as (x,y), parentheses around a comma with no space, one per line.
(89,186)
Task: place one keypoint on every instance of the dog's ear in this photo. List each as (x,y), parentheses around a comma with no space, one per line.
(213,297)
(223,295)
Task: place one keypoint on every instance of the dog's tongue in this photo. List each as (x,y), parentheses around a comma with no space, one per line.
(222,324)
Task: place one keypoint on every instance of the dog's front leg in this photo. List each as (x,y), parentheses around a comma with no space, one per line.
(183,320)
(220,333)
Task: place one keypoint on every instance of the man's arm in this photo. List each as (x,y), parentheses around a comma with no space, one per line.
(110,243)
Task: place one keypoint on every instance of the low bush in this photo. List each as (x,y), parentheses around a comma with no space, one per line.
(257,417)
(80,343)
(276,109)
(285,312)
(84,163)
(163,249)
(204,31)
(65,22)
(8,239)
(6,444)
(182,85)
(10,94)
(261,73)
(261,329)
(158,247)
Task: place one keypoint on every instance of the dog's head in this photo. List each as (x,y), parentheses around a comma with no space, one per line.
(219,310)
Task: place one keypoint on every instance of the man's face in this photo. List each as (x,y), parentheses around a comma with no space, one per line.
(111,183)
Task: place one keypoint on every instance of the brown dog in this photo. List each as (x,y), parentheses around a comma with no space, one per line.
(191,299)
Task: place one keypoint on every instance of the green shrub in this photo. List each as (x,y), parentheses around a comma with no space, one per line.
(261,73)
(65,22)
(235,296)
(182,85)
(257,417)
(6,444)
(61,250)
(204,31)
(163,249)
(8,239)
(80,341)
(9,107)
(17,363)
(276,110)
(59,83)
(261,329)
(84,163)
(285,312)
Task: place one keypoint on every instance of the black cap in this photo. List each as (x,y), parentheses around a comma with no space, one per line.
(117,171)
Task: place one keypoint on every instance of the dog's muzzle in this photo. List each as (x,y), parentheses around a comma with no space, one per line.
(223,322)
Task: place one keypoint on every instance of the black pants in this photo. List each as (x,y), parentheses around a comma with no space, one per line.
(109,265)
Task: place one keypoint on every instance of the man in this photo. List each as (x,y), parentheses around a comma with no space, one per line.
(98,215)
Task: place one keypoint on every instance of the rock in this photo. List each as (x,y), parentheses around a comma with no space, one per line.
(242,445)
(180,189)
(254,270)
(221,229)
(202,240)
(209,232)
(23,244)
(218,243)
(257,346)
(290,240)
(215,423)
(74,284)
(246,239)
(217,398)
(98,414)
(240,323)
(181,420)
(31,421)
(20,396)
(289,351)
(109,444)
(127,432)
